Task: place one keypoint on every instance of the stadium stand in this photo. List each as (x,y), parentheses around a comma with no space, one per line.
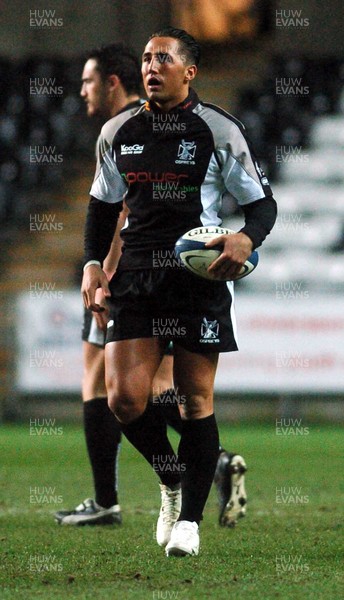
(302,130)
(41,115)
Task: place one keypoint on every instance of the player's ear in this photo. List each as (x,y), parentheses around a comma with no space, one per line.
(113,81)
(190,73)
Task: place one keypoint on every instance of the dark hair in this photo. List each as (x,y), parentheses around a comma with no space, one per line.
(187,43)
(117,59)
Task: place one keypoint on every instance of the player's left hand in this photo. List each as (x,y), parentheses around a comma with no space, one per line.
(237,247)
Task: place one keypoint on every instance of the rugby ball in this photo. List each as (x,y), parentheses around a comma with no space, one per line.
(191,250)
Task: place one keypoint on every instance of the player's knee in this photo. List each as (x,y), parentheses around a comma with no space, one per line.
(125,406)
(126,410)
(127,413)
(93,386)
(197,407)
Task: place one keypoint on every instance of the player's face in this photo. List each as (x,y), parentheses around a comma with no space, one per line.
(93,89)
(166,72)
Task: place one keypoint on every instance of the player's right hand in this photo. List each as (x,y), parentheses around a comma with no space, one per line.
(101,318)
(94,278)
(237,247)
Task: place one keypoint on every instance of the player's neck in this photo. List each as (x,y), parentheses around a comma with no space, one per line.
(171,104)
(118,106)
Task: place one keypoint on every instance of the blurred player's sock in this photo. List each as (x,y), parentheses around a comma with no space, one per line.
(148,435)
(103,436)
(198,454)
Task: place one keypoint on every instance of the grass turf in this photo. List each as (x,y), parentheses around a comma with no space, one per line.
(289,546)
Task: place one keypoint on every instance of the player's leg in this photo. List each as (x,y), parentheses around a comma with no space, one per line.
(194,376)
(166,407)
(102,435)
(165,399)
(163,378)
(130,368)
(230,484)
(102,430)
(230,470)
(93,380)
(231,467)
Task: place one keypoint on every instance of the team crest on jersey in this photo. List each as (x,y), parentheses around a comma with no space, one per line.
(186,153)
(134,149)
(209,332)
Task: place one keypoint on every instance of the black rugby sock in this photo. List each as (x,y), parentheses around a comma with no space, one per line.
(148,435)
(167,405)
(103,436)
(198,454)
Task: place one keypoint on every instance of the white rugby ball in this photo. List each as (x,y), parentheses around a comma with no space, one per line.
(191,250)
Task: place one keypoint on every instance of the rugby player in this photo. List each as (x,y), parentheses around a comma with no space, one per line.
(110,85)
(207,155)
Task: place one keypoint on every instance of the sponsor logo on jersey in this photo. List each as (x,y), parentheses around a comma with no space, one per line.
(186,153)
(209,332)
(134,149)
(148,177)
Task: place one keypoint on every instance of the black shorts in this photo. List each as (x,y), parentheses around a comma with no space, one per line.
(91,332)
(173,305)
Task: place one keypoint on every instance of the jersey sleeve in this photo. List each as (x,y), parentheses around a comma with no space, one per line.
(260,217)
(242,175)
(108,185)
(240,171)
(100,227)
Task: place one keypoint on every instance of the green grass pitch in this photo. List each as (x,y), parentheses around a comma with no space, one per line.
(289,546)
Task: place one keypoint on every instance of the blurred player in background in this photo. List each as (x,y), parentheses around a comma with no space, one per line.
(111,82)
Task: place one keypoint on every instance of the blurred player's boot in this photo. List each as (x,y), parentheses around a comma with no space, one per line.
(184,539)
(169,513)
(90,513)
(230,483)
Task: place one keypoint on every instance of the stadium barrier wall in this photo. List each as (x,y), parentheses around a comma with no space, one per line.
(287,345)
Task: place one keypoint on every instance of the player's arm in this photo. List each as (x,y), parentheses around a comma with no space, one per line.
(107,192)
(111,261)
(99,231)
(104,167)
(245,180)
(109,268)
(260,217)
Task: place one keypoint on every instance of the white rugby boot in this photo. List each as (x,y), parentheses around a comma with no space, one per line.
(169,513)
(184,539)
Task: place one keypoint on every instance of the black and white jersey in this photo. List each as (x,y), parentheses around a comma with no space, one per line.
(173,170)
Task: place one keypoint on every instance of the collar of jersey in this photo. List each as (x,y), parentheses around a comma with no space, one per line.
(134,104)
(188,104)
